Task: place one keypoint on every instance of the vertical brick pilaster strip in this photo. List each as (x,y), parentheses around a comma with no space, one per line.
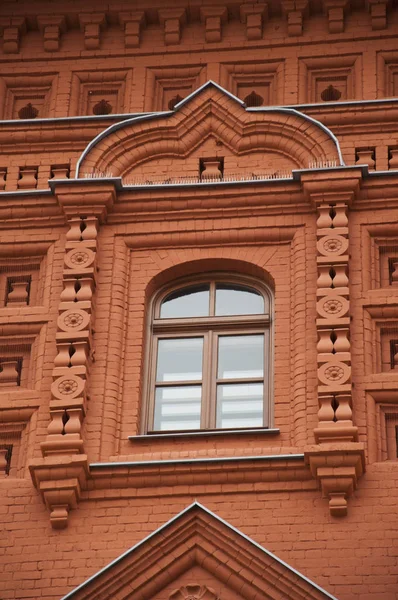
(337,461)
(333,325)
(74,340)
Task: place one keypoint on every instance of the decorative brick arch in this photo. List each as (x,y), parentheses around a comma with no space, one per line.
(199,266)
(198,537)
(210,111)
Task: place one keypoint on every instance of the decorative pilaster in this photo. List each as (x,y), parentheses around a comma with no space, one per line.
(74,340)
(338,460)
(333,325)
(62,472)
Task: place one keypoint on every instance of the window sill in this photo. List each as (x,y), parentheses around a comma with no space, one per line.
(193,434)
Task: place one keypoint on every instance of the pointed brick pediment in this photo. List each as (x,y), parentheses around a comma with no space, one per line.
(198,556)
(281,138)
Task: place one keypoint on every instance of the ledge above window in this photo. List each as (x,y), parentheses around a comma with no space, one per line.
(202,433)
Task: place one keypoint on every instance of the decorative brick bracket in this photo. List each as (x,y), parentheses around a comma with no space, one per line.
(378,13)
(337,468)
(254,16)
(295,10)
(335,10)
(91,25)
(60,481)
(51,26)
(172,19)
(12,29)
(213,18)
(133,23)
(84,197)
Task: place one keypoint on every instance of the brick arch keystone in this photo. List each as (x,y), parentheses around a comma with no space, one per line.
(210,110)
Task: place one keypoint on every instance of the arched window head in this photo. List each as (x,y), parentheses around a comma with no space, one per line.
(210,356)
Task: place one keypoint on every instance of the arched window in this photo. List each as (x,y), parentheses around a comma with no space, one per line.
(210,357)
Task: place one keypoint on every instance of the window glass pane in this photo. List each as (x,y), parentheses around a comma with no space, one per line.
(180,359)
(189,302)
(240,405)
(240,356)
(237,300)
(177,408)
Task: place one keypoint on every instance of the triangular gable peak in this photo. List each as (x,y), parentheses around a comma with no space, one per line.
(210,125)
(200,556)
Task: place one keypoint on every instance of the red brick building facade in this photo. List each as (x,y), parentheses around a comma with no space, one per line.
(199,300)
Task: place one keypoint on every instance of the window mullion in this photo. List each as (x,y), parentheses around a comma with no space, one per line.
(212,299)
(154,358)
(268,417)
(205,362)
(212,379)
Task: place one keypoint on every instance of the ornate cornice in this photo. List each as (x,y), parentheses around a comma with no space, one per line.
(210,110)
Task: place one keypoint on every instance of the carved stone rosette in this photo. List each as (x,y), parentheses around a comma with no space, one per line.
(73,338)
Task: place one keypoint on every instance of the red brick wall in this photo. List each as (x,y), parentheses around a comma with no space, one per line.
(141,248)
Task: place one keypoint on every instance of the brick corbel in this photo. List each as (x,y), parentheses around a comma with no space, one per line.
(84,197)
(378,13)
(60,481)
(213,18)
(91,24)
(172,20)
(331,185)
(253,16)
(337,469)
(51,27)
(12,29)
(295,10)
(335,11)
(133,23)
